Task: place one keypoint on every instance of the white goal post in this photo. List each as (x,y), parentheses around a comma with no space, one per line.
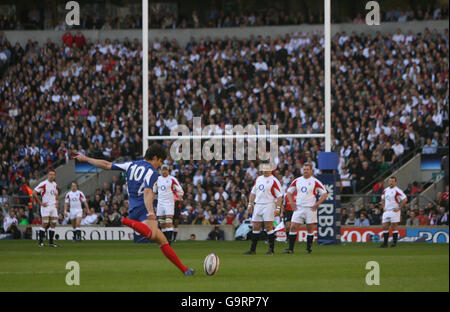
(145,80)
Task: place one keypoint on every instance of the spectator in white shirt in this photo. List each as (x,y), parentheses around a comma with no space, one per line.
(252,171)
(198,178)
(9,221)
(221,193)
(90,218)
(398,148)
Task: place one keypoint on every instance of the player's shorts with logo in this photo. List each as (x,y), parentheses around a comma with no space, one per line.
(391,216)
(304,215)
(165,209)
(49,211)
(263,212)
(75,213)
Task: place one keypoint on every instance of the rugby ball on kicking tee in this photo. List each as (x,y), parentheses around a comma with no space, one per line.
(211,264)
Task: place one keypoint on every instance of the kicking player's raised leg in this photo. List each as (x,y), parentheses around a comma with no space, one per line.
(150,230)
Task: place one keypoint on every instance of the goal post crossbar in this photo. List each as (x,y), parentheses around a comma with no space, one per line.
(236,136)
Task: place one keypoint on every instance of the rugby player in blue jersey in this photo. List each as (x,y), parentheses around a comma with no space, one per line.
(141,176)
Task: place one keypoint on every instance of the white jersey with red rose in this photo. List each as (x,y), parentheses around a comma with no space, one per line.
(392,196)
(266,189)
(48,191)
(307,190)
(168,189)
(75,200)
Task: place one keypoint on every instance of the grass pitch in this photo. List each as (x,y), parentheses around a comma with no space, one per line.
(126,266)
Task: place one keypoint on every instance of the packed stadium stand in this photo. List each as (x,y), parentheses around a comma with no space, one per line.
(213,17)
(389,102)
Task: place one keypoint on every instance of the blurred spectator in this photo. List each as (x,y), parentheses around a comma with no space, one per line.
(343,215)
(412,220)
(416,189)
(378,187)
(351,220)
(442,198)
(430,147)
(374,215)
(37,220)
(200,219)
(10,224)
(346,180)
(216,234)
(113,218)
(443,216)
(362,220)
(90,217)
(434,218)
(62,220)
(422,217)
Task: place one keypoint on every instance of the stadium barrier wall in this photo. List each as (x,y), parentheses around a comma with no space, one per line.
(354,234)
(125,233)
(182,36)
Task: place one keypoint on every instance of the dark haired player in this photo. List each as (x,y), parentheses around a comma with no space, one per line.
(392,201)
(141,176)
(73,203)
(48,190)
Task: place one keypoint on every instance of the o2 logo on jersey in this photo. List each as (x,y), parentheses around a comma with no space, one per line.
(261,187)
(163,187)
(303,189)
(53,192)
(387,197)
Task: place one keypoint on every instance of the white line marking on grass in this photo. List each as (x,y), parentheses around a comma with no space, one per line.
(36,272)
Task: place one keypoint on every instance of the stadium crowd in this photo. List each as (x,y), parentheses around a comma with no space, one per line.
(216,18)
(391,96)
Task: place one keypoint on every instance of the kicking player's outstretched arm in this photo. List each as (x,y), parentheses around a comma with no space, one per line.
(99,163)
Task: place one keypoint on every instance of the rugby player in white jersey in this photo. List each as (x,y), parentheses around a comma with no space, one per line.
(73,207)
(168,189)
(393,200)
(265,203)
(305,205)
(48,200)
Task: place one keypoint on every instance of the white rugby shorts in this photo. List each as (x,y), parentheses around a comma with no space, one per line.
(75,213)
(49,211)
(165,209)
(391,216)
(304,215)
(263,212)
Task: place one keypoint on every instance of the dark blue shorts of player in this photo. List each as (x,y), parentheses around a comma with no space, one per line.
(138,214)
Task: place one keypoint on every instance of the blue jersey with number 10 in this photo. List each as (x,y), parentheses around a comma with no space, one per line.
(140,175)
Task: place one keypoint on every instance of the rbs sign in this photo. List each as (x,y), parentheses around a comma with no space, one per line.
(328,213)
